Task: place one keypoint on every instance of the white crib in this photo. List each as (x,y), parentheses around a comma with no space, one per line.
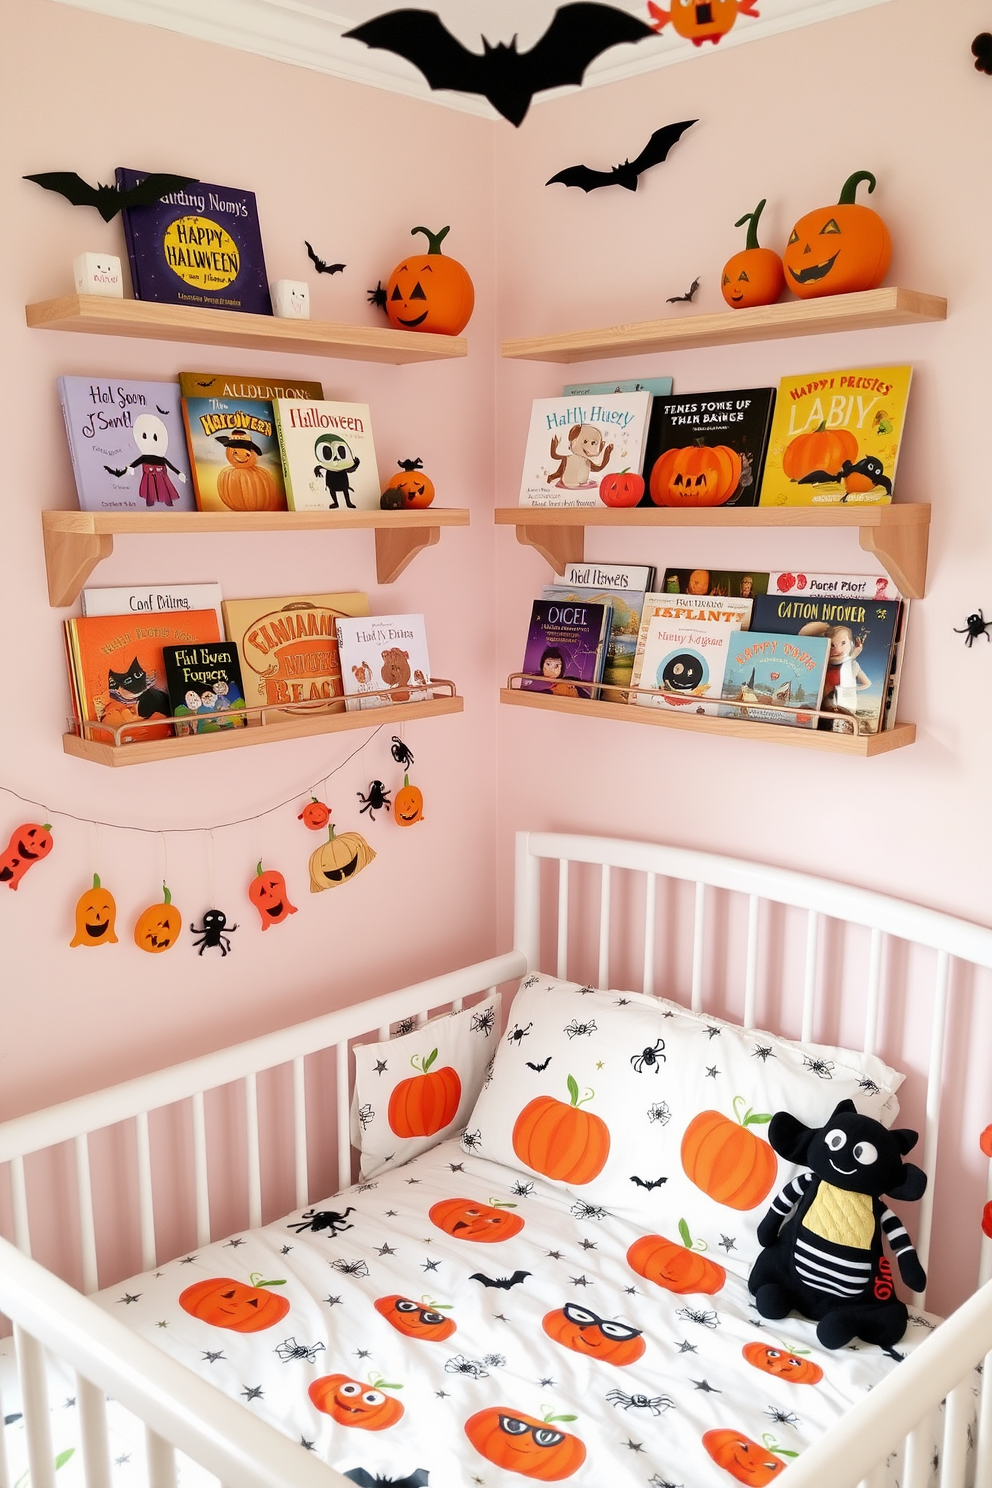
(699,927)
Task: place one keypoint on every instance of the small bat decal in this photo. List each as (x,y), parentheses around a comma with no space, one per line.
(503,1282)
(108,200)
(687,298)
(648,1182)
(539,1067)
(320,265)
(509,79)
(161,410)
(626,174)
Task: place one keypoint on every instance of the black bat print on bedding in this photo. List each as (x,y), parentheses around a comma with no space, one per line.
(647,1182)
(539,1067)
(503,1282)
(628,172)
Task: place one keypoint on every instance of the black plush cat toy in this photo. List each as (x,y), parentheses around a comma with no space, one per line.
(825,1260)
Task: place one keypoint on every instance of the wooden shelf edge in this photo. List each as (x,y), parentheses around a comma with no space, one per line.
(863,746)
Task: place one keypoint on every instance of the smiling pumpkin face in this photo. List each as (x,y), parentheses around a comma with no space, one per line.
(416,1319)
(583,1331)
(338,860)
(267,891)
(465,1219)
(839,249)
(96,915)
(352,1403)
(157,927)
(408,806)
(28,844)
(703,20)
(429,292)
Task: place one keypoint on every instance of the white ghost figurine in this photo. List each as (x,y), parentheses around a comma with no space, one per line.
(290,299)
(98,274)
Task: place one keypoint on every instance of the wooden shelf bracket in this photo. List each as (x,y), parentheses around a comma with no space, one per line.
(558,545)
(70,558)
(902,550)
(396,547)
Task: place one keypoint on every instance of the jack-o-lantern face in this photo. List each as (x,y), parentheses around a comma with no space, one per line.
(28,844)
(415,1319)
(267,891)
(580,1329)
(96,915)
(414,488)
(838,249)
(338,860)
(748,1461)
(755,275)
(157,927)
(408,804)
(525,1445)
(429,292)
(225,1303)
(696,475)
(465,1219)
(783,1364)
(352,1403)
(701,20)
(315,815)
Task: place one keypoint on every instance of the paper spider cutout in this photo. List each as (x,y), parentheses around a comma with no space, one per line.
(976,624)
(981,50)
(214,932)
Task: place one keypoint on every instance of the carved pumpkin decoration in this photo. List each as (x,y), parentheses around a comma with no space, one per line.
(408,804)
(157,927)
(755,275)
(466,1219)
(96,917)
(429,292)
(818,449)
(423,1104)
(28,844)
(422,1320)
(783,1364)
(525,1445)
(352,1403)
(699,475)
(338,860)
(838,250)
(699,22)
(414,488)
(726,1160)
(751,1462)
(580,1329)
(243,484)
(225,1303)
(268,892)
(315,815)
(561,1140)
(625,488)
(677,1268)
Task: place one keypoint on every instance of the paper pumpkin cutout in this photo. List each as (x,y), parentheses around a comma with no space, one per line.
(96,917)
(699,23)
(28,844)
(422,1319)
(838,249)
(755,275)
(467,1219)
(408,804)
(315,815)
(268,892)
(428,292)
(352,1403)
(338,860)
(523,1444)
(157,927)
(561,1140)
(427,1101)
(226,1303)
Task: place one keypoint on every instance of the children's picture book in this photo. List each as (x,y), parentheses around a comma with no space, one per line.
(861,635)
(199,245)
(119,667)
(566,647)
(835,437)
(684,658)
(637,577)
(204,685)
(574,443)
(832,586)
(385,653)
(152,599)
(328,457)
(736,584)
(288,646)
(774,678)
(721,609)
(233,442)
(658,387)
(127,444)
(737,421)
(625,625)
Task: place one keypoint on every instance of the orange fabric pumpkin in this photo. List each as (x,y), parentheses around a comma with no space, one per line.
(562,1141)
(243,484)
(525,1445)
(315,815)
(96,916)
(408,804)
(754,276)
(698,475)
(726,1160)
(157,927)
(268,892)
(225,1303)
(352,1403)
(677,1268)
(783,1364)
(415,1319)
(338,860)
(465,1219)
(746,1460)
(423,1104)
(625,488)
(577,1328)
(28,844)
(415,490)
(818,449)
(429,292)
(838,250)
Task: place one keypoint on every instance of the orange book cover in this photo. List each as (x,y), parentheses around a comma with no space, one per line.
(288,646)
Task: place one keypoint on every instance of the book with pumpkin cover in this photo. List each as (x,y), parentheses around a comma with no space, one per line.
(575,443)
(127,444)
(205,686)
(288,648)
(233,441)
(835,437)
(625,625)
(328,457)
(707,449)
(685,660)
(774,678)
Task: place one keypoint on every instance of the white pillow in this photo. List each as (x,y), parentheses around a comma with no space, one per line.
(412,1092)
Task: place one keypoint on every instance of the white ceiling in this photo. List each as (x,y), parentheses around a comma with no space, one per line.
(308,33)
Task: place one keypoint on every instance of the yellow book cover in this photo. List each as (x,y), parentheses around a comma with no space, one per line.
(835,438)
(288,646)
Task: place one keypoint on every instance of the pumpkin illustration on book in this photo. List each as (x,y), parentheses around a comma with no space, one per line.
(243,484)
(338,859)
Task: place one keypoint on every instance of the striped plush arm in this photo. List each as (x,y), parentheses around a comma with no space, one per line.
(904,1251)
(782,1205)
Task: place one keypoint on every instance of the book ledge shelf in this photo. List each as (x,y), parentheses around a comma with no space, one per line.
(76,541)
(898,535)
(102,316)
(108,747)
(862,745)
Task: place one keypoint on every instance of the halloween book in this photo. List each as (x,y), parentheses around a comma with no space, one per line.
(204,684)
(384,653)
(566,647)
(200,245)
(732,583)
(774,678)
(621,639)
(835,437)
(733,426)
(127,444)
(288,647)
(683,661)
(328,457)
(232,438)
(575,443)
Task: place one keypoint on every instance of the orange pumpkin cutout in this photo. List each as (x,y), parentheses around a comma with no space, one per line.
(839,249)
(698,475)
(465,1219)
(780,1362)
(561,1140)
(157,927)
(525,1445)
(338,860)
(423,1104)
(751,1462)
(352,1403)
(268,892)
(429,292)
(699,22)
(581,1330)
(415,491)
(625,488)
(818,449)
(96,917)
(755,275)
(677,1268)
(243,484)
(28,844)
(225,1303)
(726,1160)
(422,1320)
(408,804)
(315,815)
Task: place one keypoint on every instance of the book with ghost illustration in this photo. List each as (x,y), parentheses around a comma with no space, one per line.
(574,443)
(127,444)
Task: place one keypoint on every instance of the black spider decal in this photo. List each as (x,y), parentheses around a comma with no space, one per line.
(472,1140)
(868,1086)
(976,624)
(376,800)
(405,1025)
(290,1349)
(214,932)
(699,1315)
(660,1113)
(323,1219)
(582,1210)
(401,752)
(575,1029)
(656,1404)
(651,1058)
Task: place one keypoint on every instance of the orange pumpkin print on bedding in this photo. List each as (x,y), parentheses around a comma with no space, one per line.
(677,1268)
(226,1303)
(751,1462)
(349,1402)
(522,1444)
(467,1219)
(427,1101)
(726,1160)
(561,1140)
(783,1364)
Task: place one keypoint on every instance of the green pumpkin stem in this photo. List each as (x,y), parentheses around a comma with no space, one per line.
(255,1277)
(330,833)
(772,1446)
(751,218)
(573,1093)
(502,1204)
(750,1117)
(406,781)
(258,869)
(423,1065)
(96,880)
(167,892)
(849,190)
(687,1239)
(434,240)
(46,826)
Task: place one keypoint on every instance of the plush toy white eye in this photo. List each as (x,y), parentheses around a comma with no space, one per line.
(865,1154)
(835,1139)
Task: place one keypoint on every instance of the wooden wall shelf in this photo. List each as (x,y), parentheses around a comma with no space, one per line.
(99,315)
(898,535)
(865,746)
(852,312)
(76,541)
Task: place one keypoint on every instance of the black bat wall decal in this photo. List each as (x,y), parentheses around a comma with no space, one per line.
(320,265)
(503,1282)
(539,1067)
(687,298)
(626,174)
(578,34)
(648,1182)
(108,200)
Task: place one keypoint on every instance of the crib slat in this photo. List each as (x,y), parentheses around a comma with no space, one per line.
(698,931)
(457,1003)
(751,978)
(200,1172)
(604,929)
(918,1455)
(650,904)
(300,1132)
(87,1227)
(19,1204)
(954,1456)
(932,1126)
(983,1446)
(254,1156)
(874,992)
(562,956)
(809,978)
(34,1404)
(344,1117)
(93,1430)
(146,1202)
(161,1459)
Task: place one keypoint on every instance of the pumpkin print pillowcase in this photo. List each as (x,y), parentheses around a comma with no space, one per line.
(413,1091)
(644,1109)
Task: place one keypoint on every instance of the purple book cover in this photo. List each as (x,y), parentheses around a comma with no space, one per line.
(200,245)
(127,443)
(565,646)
